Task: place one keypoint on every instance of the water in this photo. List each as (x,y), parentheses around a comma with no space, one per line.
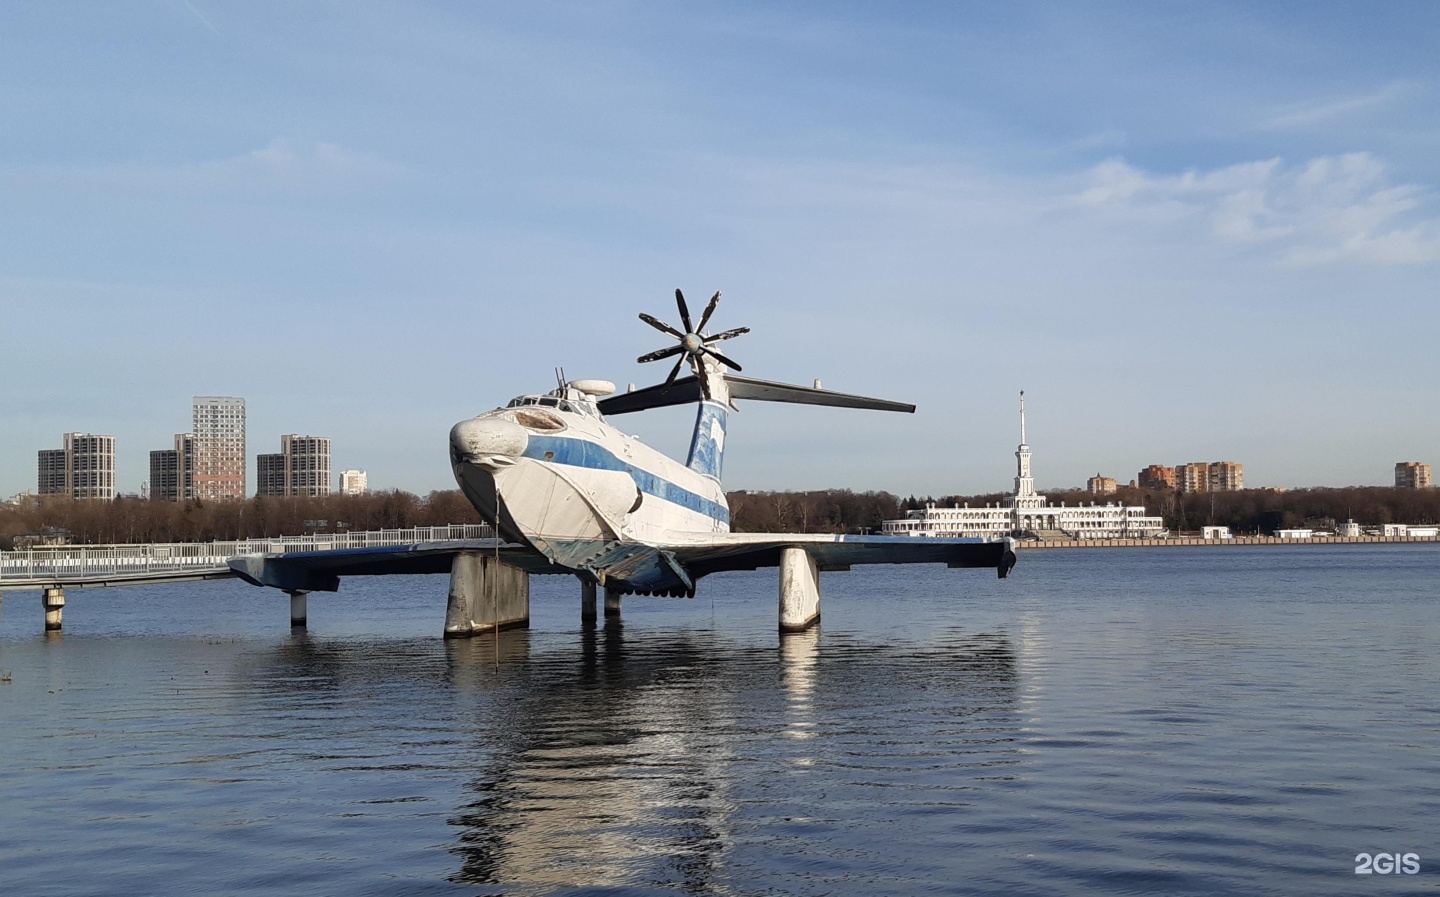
(1182,721)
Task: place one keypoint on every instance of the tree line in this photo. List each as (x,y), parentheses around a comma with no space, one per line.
(815,511)
(138,520)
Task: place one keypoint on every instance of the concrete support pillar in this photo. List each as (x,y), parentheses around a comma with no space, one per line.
(799,590)
(587,601)
(612,602)
(485,594)
(297,609)
(54,601)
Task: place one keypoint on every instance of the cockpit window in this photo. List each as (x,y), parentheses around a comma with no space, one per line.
(586,408)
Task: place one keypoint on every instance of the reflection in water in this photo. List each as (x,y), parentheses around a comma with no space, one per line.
(799,653)
(626,761)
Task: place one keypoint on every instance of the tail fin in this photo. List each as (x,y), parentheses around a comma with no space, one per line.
(707,445)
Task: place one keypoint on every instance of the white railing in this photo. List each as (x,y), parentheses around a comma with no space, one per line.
(88,562)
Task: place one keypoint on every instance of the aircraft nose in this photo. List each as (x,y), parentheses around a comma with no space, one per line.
(488,441)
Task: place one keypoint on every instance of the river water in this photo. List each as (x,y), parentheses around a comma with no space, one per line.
(1141,721)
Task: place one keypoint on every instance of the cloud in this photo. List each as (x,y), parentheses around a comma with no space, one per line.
(1325,112)
(1333,209)
(282,166)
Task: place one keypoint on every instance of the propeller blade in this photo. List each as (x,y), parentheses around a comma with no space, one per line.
(728,363)
(705,388)
(661,353)
(675,370)
(729,334)
(684,311)
(661,326)
(709,310)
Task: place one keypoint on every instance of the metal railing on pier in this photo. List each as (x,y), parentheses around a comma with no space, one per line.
(116,564)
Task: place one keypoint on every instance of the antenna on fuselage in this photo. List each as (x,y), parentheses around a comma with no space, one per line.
(559,381)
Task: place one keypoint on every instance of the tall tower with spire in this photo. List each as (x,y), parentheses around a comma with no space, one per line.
(1025,496)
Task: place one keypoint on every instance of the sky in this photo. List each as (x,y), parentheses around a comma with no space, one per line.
(1189,232)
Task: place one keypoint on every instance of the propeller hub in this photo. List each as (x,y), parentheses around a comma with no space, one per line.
(692,342)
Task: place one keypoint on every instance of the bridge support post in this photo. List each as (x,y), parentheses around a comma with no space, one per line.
(485,594)
(298,609)
(612,602)
(54,601)
(587,601)
(799,590)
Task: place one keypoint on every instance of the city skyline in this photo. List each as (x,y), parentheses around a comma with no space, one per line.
(1197,232)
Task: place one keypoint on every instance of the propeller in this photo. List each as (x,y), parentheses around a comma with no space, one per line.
(693,342)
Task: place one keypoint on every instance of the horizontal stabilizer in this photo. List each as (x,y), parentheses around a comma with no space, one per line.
(682,392)
(687,389)
(766,391)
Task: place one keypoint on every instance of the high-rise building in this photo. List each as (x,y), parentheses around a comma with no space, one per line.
(270,475)
(354,482)
(307,464)
(84,469)
(1226,476)
(1157,476)
(53,473)
(301,468)
(164,475)
(1210,476)
(218,425)
(172,471)
(1098,485)
(1412,475)
(1192,477)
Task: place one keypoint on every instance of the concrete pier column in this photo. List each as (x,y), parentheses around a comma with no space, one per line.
(298,606)
(612,602)
(587,601)
(485,594)
(799,590)
(54,601)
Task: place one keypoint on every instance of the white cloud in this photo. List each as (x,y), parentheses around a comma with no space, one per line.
(282,166)
(1332,209)
(1326,112)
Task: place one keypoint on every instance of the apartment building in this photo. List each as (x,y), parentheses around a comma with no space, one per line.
(1210,476)
(84,469)
(172,471)
(354,482)
(1156,476)
(1412,475)
(1098,485)
(300,468)
(218,427)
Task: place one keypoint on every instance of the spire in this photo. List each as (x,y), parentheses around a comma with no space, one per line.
(1025,495)
(1022,417)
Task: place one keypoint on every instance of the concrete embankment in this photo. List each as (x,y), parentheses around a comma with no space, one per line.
(1186,541)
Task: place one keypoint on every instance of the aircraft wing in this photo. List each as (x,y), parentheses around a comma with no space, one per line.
(749,551)
(320,570)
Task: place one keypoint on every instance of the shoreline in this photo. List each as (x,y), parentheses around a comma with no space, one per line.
(1196,541)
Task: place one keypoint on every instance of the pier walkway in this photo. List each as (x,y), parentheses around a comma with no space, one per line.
(74,566)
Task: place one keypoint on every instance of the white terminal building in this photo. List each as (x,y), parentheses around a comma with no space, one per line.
(1027,513)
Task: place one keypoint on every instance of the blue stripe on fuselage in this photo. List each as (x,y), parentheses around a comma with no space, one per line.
(583,453)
